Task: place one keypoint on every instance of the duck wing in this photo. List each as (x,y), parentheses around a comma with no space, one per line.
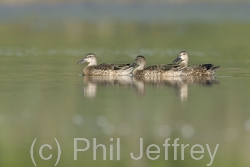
(105,66)
(120,66)
(163,67)
(154,67)
(166,67)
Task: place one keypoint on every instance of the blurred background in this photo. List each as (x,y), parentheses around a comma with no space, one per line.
(44,96)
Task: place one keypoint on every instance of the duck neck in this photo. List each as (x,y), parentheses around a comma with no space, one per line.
(184,63)
(141,67)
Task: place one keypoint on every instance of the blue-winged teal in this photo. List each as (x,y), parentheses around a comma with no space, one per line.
(156,70)
(103,69)
(194,70)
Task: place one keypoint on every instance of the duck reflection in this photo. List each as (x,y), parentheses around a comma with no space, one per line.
(181,84)
(139,83)
(91,83)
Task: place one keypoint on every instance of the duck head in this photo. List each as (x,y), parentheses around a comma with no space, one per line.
(140,61)
(89,58)
(183,57)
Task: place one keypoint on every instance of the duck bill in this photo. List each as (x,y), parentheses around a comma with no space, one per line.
(133,64)
(81,61)
(177,59)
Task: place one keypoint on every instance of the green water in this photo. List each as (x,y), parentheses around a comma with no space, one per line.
(44,96)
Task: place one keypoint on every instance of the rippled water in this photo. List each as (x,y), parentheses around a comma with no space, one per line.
(44,96)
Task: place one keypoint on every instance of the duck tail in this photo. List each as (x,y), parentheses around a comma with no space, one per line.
(207,66)
(210,67)
(215,68)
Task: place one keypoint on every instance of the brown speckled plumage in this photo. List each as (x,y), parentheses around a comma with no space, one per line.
(104,69)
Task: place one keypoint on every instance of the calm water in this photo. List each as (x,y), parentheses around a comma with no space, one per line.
(44,96)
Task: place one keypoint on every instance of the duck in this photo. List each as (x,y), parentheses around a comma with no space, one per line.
(104,69)
(155,70)
(193,70)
